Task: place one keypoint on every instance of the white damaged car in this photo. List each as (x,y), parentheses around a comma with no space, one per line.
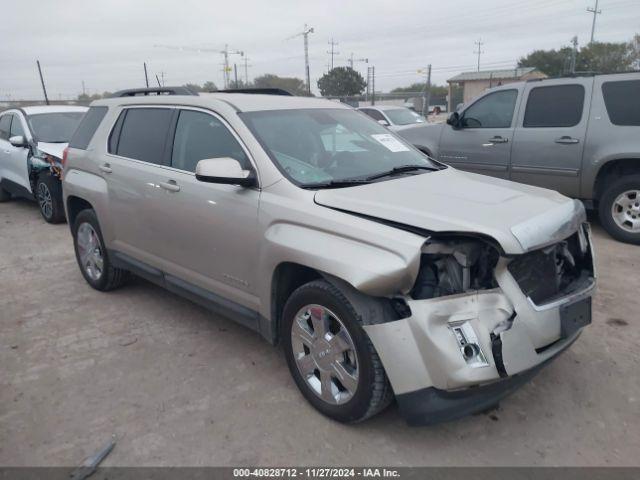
(380,271)
(32,143)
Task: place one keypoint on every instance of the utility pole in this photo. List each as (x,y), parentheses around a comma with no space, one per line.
(574,52)
(44,89)
(479,43)
(246,71)
(146,75)
(373,85)
(84,92)
(595,12)
(426,97)
(352,60)
(332,52)
(305,34)
(227,69)
(225,55)
(235,75)
(366,94)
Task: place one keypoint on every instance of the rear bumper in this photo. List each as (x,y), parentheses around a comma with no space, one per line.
(431,405)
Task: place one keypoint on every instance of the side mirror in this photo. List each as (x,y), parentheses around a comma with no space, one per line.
(224,170)
(384,123)
(454,120)
(19,141)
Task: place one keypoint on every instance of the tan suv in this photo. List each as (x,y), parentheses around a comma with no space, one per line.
(380,271)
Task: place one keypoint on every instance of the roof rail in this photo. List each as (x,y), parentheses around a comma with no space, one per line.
(263,91)
(135,92)
(580,74)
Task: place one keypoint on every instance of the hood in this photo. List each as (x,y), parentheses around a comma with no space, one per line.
(53,149)
(519,217)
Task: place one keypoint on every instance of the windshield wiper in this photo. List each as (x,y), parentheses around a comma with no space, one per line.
(347,182)
(401,169)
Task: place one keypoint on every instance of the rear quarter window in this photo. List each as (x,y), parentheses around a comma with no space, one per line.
(622,100)
(87,128)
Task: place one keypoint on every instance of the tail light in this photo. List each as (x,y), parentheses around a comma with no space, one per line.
(65,153)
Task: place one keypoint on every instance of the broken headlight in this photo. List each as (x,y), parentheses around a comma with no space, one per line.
(448,267)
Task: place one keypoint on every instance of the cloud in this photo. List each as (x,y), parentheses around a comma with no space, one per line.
(105,43)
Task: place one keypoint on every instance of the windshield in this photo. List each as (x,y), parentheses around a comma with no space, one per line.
(54,127)
(403,116)
(318,146)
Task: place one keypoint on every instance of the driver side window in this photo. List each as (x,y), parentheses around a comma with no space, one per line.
(492,111)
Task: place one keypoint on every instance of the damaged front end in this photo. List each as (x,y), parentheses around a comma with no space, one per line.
(39,162)
(481,322)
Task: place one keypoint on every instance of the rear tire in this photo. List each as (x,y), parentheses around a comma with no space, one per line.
(92,255)
(619,209)
(49,197)
(340,351)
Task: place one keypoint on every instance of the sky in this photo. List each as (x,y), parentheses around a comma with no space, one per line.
(104,43)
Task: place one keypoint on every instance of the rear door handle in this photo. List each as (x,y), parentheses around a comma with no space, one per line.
(170,186)
(566,140)
(106,168)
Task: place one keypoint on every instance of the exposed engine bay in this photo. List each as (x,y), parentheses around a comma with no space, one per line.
(455,266)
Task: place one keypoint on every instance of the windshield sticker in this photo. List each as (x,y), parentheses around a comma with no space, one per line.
(391,142)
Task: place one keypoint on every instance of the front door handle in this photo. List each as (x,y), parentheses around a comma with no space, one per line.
(566,140)
(170,186)
(494,140)
(105,168)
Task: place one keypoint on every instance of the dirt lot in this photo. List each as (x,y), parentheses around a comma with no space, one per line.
(180,386)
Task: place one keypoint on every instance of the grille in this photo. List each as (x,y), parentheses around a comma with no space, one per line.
(555,271)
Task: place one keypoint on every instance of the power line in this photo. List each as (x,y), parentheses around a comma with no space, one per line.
(333,52)
(595,12)
(479,43)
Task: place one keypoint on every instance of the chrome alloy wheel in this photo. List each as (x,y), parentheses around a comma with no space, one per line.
(89,251)
(325,354)
(626,211)
(44,200)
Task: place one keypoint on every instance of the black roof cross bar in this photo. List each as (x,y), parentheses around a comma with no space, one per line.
(263,91)
(136,92)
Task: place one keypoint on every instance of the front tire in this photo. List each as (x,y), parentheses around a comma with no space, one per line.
(49,197)
(619,209)
(4,195)
(92,256)
(330,357)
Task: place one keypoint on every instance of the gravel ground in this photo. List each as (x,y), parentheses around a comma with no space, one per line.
(180,386)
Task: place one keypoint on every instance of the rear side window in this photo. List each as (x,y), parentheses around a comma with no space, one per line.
(622,100)
(88,126)
(376,115)
(5,126)
(554,106)
(199,136)
(144,134)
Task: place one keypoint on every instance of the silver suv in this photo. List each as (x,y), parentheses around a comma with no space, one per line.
(579,136)
(380,271)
